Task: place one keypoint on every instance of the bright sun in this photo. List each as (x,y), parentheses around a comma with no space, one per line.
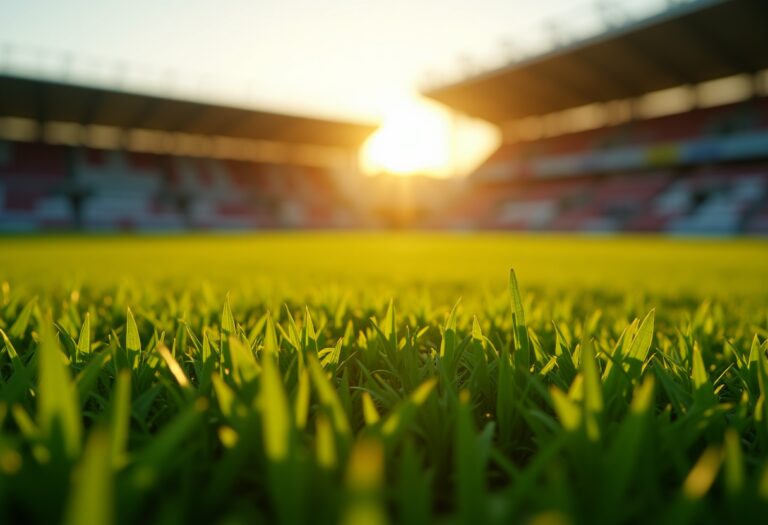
(415,137)
(420,136)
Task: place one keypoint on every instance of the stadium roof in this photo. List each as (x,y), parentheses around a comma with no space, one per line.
(687,44)
(44,100)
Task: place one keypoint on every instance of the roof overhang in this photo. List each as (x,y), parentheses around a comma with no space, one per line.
(44,101)
(688,44)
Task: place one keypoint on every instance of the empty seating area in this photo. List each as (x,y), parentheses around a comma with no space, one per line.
(535,206)
(718,121)
(30,177)
(615,201)
(720,202)
(56,187)
(725,199)
(45,187)
(700,172)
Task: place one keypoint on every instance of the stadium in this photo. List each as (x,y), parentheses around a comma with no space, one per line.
(531,289)
(657,126)
(87,158)
(599,135)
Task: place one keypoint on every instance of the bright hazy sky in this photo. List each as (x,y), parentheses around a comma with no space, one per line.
(336,58)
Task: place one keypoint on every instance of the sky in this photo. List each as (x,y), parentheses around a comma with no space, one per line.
(357,60)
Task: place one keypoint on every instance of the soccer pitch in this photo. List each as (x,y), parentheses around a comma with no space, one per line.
(373,378)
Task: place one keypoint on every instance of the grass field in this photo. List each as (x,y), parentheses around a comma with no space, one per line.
(373,378)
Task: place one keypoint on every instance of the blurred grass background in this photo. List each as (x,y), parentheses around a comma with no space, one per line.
(459,263)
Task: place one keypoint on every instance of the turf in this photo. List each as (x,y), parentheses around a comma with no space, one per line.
(372,378)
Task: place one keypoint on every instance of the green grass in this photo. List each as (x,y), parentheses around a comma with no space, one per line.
(371,378)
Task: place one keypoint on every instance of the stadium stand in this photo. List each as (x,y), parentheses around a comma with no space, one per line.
(699,167)
(654,125)
(117,190)
(74,157)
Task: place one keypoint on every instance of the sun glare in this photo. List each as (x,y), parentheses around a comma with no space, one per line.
(415,137)
(418,136)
